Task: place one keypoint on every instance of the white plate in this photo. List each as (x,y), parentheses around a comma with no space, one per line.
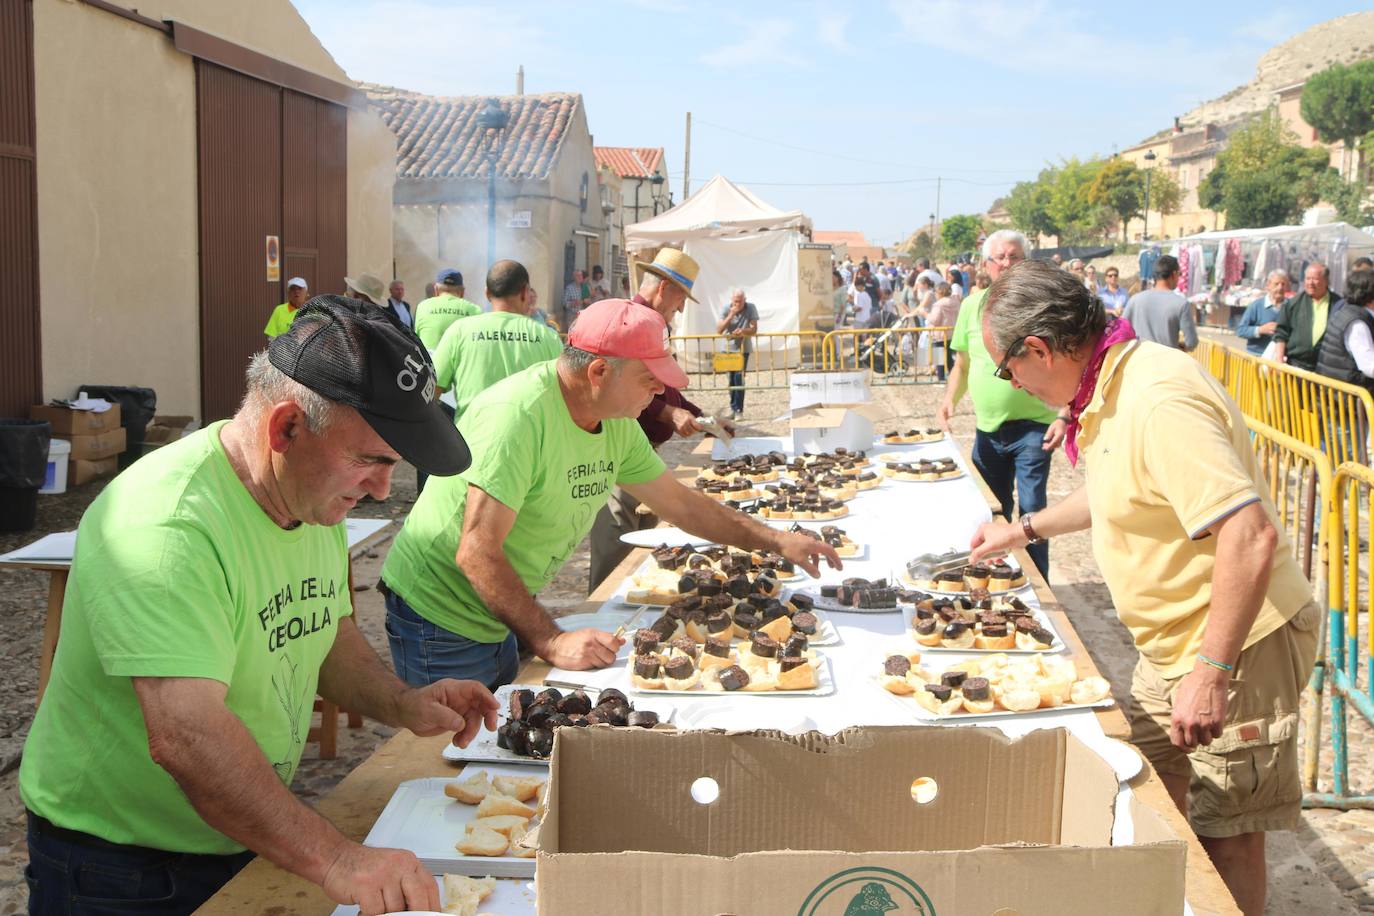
(512,897)
(1056,647)
(879,443)
(926,715)
(653,537)
(1124,758)
(960,476)
(484,749)
(825,686)
(421,818)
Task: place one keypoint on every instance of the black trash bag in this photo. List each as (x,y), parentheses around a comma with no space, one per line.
(24,453)
(137,406)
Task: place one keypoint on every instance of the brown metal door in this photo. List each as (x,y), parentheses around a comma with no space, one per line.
(239,126)
(272,162)
(21,381)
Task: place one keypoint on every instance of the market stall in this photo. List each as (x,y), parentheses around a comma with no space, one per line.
(739,241)
(1224,271)
(889,524)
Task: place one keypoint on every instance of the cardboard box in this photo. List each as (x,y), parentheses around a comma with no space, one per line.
(812,825)
(79,472)
(99,446)
(825,427)
(848,386)
(165,429)
(66,422)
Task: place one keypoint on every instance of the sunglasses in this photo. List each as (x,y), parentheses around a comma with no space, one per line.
(1002,371)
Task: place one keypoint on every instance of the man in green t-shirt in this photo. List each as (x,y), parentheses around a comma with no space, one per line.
(477,352)
(447,305)
(548,443)
(208,604)
(1017,432)
(279,322)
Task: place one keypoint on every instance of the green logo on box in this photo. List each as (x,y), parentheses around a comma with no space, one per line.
(867,892)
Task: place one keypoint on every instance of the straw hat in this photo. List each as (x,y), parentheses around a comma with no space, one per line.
(675,267)
(369,286)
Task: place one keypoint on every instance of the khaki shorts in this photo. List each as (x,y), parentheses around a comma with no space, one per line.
(1247,780)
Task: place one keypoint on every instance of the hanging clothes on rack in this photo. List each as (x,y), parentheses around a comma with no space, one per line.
(1336,264)
(1231,266)
(1148,256)
(1185,269)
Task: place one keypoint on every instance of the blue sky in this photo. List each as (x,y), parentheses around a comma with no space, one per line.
(847,111)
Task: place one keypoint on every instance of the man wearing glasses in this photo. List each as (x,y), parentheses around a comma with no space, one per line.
(1113,296)
(1017,432)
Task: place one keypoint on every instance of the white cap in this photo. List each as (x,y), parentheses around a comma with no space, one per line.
(297,281)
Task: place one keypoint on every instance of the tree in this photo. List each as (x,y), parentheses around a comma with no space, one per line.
(921,246)
(1339,103)
(1264,177)
(1029,203)
(1119,185)
(960,233)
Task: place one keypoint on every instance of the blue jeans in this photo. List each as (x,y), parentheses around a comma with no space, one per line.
(72,874)
(737,387)
(424,653)
(1012,458)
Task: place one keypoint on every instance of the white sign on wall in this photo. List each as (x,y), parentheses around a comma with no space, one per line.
(520,219)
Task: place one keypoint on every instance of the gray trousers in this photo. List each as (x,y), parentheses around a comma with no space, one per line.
(617,517)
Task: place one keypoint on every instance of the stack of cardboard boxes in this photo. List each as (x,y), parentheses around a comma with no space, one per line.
(97,439)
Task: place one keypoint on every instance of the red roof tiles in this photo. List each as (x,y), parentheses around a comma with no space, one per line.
(630,161)
(437,137)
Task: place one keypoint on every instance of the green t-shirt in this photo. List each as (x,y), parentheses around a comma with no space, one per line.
(528,454)
(435,314)
(179,573)
(476,353)
(281,320)
(994,401)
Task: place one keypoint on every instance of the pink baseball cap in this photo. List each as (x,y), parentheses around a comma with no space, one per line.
(628,330)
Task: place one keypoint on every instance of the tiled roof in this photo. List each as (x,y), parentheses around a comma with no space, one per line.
(630,161)
(437,137)
(851,239)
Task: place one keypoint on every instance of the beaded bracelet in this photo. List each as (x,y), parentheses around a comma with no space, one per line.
(1220,666)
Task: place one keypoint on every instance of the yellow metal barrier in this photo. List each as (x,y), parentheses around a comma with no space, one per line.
(772,359)
(1348,593)
(895,356)
(1321,412)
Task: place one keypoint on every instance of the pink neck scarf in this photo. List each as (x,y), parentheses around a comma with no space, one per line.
(1118,330)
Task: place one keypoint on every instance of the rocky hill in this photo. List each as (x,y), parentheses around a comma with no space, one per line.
(1344,40)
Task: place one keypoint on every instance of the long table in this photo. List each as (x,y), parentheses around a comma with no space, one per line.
(358,800)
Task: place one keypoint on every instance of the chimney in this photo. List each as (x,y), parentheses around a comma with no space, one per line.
(520,80)
(1178,128)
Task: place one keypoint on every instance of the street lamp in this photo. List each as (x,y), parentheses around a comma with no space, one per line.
(657,181)
(1145,221)
(492,120)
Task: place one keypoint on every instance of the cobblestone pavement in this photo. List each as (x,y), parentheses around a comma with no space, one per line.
(1327,866)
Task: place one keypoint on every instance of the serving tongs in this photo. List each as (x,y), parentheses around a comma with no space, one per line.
(930,565)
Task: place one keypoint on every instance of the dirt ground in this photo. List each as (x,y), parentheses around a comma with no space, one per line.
(1324,867)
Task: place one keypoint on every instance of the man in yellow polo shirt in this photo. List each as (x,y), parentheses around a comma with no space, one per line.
(1191,549)
(297,291)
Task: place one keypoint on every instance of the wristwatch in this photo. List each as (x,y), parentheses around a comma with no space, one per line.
(1031,536)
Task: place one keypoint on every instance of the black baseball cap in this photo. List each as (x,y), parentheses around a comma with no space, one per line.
(355,353)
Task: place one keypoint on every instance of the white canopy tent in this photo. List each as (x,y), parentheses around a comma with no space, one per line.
(1360,242)
(739,241)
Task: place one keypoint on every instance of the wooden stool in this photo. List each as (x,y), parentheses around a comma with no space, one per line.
(327,732)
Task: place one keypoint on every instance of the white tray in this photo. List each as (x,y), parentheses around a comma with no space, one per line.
(622,591)
(653,537)
(825,686)
(834,607)
(1055,648)
(926,715)
(512,897)
(879,443)
(484,749)
(960,476)
(909,583)
(421,818)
